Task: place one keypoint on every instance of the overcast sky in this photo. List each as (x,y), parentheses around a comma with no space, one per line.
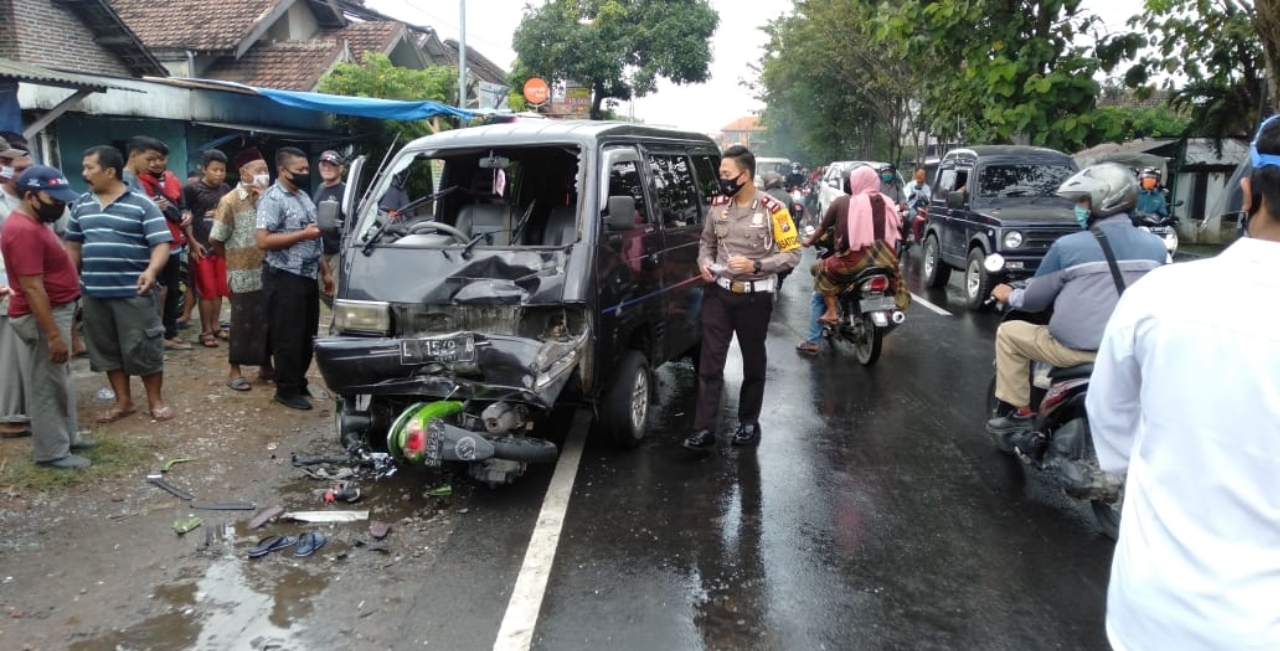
(702,107)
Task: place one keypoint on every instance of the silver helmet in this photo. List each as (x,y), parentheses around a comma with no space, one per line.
(1110,187)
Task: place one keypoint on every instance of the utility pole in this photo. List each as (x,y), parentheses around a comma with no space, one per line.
(462,54)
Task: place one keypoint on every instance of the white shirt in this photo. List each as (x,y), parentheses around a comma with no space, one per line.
(1186,395)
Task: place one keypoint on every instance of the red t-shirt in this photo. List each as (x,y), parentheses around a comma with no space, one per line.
(33,249)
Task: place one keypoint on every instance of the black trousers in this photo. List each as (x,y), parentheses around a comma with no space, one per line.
(293,311)
(171,278)
(723,314)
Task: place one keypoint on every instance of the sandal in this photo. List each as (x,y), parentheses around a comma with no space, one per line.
(114,414)
(271,544)
(208,340)
(176,344)
(808,348)
(309,543)
(162,414)
(223,335)
(239,384)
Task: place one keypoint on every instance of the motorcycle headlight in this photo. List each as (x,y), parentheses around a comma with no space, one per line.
(1012,240)
(366,317)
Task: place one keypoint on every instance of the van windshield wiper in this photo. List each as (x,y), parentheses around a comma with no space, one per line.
(380,227)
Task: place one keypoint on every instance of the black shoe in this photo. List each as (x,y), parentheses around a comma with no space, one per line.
(1011,424)
(748,434)
(293,401)
(703,439)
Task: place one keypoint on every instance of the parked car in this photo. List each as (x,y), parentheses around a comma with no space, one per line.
(995,199)
(835,178)
(538,264)
(765,164)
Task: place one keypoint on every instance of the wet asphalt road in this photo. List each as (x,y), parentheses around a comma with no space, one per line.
(874,515)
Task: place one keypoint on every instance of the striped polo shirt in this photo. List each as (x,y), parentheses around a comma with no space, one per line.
(116,242)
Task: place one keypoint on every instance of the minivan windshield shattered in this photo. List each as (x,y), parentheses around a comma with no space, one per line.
(1023,180)
(494,197)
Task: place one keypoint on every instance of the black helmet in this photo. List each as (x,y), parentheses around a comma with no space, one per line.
(1110,187)
(772,180)
(795,167)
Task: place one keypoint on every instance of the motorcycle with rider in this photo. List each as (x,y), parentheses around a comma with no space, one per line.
(1048,339)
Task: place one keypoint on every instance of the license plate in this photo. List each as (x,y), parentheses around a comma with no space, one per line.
(878,304)
(458,348)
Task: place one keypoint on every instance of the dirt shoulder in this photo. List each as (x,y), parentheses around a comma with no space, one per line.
(90,560)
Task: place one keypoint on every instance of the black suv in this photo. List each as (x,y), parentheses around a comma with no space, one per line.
(534,264)
(995,199)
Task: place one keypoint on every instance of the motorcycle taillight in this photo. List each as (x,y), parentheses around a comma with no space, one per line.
(876,284)
(1058,392)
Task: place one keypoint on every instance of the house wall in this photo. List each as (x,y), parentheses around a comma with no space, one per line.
(45,33)
(76,132)
(1200,192)
(298,23)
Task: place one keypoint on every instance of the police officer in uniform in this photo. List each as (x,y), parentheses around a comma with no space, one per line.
(748,240)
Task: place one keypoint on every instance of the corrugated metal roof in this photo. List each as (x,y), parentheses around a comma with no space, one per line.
(43,76)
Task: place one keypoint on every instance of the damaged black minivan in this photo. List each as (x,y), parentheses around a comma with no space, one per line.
(490,274)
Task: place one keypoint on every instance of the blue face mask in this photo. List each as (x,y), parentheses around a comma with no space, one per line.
(887,178)
(1082,216)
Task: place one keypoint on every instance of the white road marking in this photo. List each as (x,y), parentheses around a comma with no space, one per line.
(934,308)
(516,633)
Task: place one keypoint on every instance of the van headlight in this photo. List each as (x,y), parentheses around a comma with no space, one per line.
(366,317)
(1012,240)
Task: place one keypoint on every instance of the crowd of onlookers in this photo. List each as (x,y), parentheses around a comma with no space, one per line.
(111,264)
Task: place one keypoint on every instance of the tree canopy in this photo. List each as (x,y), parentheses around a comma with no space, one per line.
(617,48)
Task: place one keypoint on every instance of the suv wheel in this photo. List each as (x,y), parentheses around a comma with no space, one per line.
(624,413)
(977,282)
(936,272)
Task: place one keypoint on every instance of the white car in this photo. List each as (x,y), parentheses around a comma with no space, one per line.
(834,178)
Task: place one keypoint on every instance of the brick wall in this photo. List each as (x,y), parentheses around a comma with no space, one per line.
(8,34)
(50,35)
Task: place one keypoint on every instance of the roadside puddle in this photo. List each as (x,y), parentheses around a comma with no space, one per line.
(230,607)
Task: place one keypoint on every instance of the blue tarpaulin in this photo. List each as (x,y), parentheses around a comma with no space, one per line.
(365,107)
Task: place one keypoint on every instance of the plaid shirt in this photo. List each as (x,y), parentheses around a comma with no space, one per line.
(281,211)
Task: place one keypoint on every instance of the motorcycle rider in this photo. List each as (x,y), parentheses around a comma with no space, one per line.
(889,185)
(919,194)
(865,223)
(773,187)
(1076,280)
(1151,197)
(795,179)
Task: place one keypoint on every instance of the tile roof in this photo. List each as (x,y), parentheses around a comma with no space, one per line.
(287,65)
(200,25)
(369,36)
(749,123)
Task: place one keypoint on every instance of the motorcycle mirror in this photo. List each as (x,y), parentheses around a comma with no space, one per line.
(994,263)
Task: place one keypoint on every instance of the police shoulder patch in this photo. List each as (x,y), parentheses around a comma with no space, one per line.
(720,200)
(771,204)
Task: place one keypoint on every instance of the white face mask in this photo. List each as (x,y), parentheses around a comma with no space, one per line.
(262,180)
(6,172)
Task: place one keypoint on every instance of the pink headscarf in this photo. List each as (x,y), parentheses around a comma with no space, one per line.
(864,182)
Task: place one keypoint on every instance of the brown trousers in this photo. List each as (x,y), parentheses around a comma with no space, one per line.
(1017,344)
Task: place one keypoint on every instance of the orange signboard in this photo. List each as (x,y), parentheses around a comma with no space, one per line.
(536,91)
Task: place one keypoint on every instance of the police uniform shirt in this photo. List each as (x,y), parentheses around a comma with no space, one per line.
(762,231)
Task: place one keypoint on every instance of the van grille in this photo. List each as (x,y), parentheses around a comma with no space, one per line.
(1043,238)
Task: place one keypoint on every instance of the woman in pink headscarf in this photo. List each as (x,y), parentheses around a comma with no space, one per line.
(866,227)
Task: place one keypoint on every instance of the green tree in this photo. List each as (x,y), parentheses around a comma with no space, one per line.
(1213,46)
(377,77)
(617,48)
(1008,69)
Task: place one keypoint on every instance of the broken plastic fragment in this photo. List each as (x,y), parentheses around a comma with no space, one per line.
(326,516)
(443,490)
(183,525)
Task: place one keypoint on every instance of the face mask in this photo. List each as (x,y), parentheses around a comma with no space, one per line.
(49,212)
(262,180)
(730,187)
(1082,216)
(887,178)
(302,181)
(6,172)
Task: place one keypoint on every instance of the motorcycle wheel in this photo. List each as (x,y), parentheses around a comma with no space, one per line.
(866,347)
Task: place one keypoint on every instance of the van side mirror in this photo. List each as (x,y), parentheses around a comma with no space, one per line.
(956,200)
(327,216)
(622,213)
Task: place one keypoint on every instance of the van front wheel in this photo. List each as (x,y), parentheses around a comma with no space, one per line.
(624,414)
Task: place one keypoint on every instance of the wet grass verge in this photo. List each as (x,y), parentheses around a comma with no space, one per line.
(117,454)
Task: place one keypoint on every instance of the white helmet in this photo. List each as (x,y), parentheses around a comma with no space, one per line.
(1111,188)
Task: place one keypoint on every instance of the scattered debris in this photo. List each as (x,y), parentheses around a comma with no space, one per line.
(323,473)
(341,491)
(264,516)
(184,525)
(321,517)
(156,480)
(443,490)
(170,463)
(206,505)
(379,529)
(271,544)
(309,543)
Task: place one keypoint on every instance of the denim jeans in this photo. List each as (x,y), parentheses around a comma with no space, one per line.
(816,308)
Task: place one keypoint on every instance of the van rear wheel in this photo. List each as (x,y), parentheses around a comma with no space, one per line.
(624,414)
